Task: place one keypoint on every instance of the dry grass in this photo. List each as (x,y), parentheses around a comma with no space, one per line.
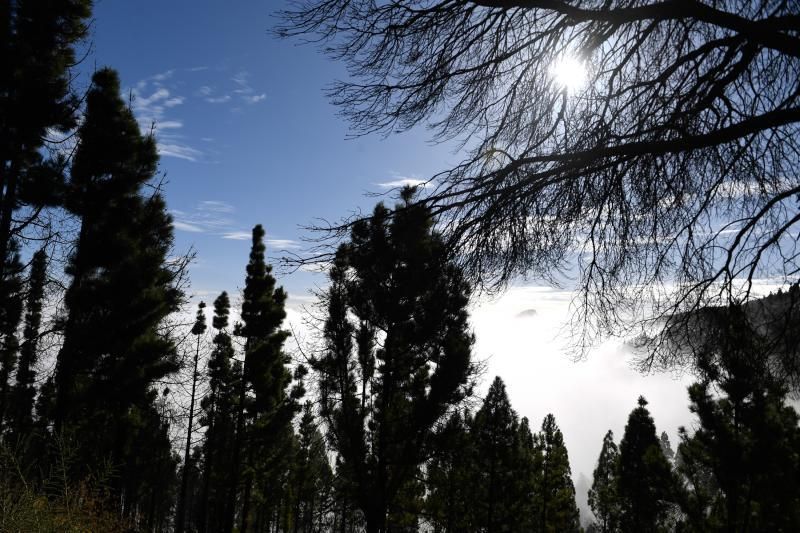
(55,504)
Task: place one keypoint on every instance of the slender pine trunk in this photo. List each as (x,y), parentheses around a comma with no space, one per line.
(7,205)
(248,487)
(209,465)
(181,514)
(239,441)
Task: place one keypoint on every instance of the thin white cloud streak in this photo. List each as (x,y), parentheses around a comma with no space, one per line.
(218,99)
(240,80)
(146,102)
(211,216)
(217,218)
(401,182)
(169,125)
(185,226)
(216,206)
(237,235)
(179,151)
(255,98)
(164,75)
(283,244)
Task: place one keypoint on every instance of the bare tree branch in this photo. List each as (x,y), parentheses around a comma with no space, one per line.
(667,182)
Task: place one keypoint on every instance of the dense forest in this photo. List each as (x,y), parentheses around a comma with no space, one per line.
(117,413)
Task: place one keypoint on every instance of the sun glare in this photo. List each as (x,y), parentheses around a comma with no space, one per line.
(569,73)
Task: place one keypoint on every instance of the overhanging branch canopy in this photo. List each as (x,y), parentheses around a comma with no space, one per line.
(670,178)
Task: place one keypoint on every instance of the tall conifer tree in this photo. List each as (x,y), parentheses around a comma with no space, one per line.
(452,489)
(666,447)
(220,421)
(121,290)
(646,485)
(10,314)
(265,409)
(555,506)
(499,464)
(742,465)
(311,479)
(398,352)
(198,328)
(37,51)
(528,476)
(24,391)
(603,498)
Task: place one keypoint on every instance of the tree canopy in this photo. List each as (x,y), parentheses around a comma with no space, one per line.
(741,464)
(603,498)
(645,484)
(37,46)
(555,506)
(122,288)
(397,354)
(501,486)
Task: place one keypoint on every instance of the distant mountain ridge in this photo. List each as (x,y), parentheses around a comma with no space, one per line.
(774,319)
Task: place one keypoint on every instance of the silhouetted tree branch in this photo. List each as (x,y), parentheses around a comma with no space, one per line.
(669,180)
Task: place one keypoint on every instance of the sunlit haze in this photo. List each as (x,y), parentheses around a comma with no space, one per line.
(569,73)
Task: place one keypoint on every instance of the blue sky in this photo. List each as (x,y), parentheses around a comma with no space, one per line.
(245,131)
(248,136)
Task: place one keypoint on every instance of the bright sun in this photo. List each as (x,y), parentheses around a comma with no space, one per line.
(569,73)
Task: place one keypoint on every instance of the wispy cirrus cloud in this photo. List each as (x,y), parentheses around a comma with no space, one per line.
(164,75)
(237,235)
(254,99)
(209,94)
(239,90)
(153,103)
(245,91)
(170,124)
(185,226)
(283,244)
(179,151)
(210,216)
(218,99)
(278,244)
(217,218)
(156,103)
(216,206)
